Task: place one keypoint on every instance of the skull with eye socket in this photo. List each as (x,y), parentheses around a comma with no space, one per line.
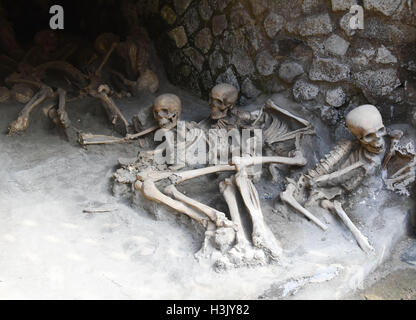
(222,99)
(167,109)
(366,124)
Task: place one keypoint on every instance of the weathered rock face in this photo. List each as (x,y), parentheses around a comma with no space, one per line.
(304,90)
(378,83)
(307,47)
(336,97)
(329,70)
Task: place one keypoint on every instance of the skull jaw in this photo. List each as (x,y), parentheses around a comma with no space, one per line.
(167,124)
(375,148)
(217,114)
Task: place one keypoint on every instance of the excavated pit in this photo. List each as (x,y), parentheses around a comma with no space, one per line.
(51,248)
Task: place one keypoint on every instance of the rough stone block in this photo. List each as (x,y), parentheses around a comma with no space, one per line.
(377,83)
(216,61)
(219,24)
(196,58)
(386,7)
(249,89)
(203,40)
(242,62)
(181,6)
(304,90)
(385,56)
(273,24)
(341,5)
(336,97)
(289,71)
(265,63)
(168,14)
(205,10)
(191,21)
(330,70)
(315,25)
(336,45)
(179,36)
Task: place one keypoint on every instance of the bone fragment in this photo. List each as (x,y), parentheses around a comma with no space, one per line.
(86,139)
(22,122)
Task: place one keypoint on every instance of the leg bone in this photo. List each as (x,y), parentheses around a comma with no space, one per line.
(229,192)
(252,202)
(216,216)
(336,208)
(150,191)
(22,122)
(287,197)
(113,111)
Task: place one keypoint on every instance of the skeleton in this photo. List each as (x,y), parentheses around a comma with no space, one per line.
(23,83)
(97,78)
(136,50)
(31,77)
(342,170)
(148,81)
(135,53)
(225,115)
(166,109)
(105,45)
(211,219)
(48,48)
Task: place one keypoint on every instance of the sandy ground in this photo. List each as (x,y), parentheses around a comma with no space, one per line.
(395,279)
(51,249)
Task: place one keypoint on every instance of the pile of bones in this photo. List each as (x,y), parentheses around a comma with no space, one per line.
(155,180)
(116,68)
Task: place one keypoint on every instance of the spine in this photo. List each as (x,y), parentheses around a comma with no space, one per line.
(331,160)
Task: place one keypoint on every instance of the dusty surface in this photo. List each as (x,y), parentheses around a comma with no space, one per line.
(50,248)
(395,279)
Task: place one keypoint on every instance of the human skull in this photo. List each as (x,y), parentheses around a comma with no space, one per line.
(366,124)
(167,109)
(223,98)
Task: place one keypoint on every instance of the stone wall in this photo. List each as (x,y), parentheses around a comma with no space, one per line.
(303,46)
